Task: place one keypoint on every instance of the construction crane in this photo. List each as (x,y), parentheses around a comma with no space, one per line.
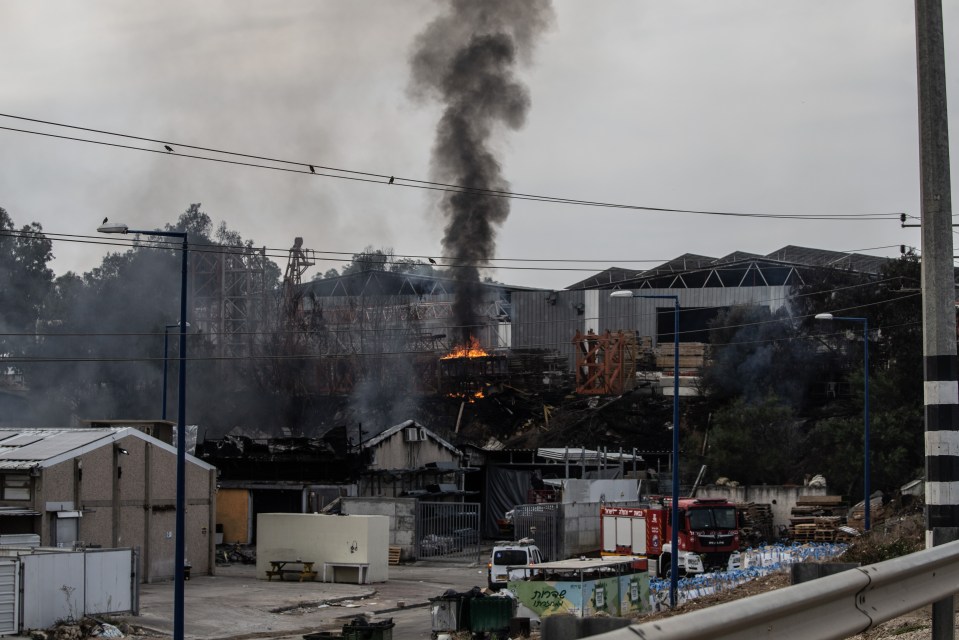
(299,261)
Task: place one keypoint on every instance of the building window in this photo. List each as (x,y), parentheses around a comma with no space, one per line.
(16,487)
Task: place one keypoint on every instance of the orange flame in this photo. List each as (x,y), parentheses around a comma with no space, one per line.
(471,349)
(467,397)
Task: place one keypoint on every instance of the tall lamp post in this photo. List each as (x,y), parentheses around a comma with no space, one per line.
(865,408)
(180,549)
(166,360)
(674,538)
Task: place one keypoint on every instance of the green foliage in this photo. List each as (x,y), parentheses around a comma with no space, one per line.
(371,259)
(779,363)
(329,273)
(105,331)
(756,443)
(25,280)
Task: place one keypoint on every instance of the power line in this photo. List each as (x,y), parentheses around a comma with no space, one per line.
(454,327)
(283,254)
(308,168)
(412,352)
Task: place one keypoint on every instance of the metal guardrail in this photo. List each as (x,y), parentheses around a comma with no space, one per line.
(837,606)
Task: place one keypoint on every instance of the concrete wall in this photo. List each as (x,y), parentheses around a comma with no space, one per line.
(402,518)
(580,533)
(129,500)
(323,538)
(782,497)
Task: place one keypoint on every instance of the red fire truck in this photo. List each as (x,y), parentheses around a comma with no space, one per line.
(708,534)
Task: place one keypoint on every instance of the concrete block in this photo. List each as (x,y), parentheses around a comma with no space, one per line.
(596,625)
(569,627)
(806,571)
(560,627)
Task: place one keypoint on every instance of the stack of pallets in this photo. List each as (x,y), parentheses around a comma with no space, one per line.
(692,355)
(817,519)
(857,519)
(755,522)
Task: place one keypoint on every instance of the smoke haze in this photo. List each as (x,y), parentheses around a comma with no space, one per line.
(465,59)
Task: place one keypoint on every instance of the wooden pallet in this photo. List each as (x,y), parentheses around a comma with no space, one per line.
(394,555)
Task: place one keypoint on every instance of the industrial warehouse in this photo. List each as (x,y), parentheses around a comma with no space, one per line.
(485,320)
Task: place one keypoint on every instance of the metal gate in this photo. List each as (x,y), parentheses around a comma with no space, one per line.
(68,585)
(541,522)
(448,531)
(9,596)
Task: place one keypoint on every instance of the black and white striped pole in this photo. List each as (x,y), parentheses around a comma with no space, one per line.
(941,395)
(938,279)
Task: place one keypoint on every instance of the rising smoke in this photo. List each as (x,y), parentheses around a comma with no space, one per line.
(466,59)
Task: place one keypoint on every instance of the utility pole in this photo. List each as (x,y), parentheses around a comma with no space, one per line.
(938,296)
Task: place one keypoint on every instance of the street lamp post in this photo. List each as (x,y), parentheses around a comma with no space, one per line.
(865,408)
(180,548)
(166,360)
(674,519)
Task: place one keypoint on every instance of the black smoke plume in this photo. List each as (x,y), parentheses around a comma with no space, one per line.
(466,60)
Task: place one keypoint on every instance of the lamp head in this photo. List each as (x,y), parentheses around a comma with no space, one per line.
(824,316)
(113,227)
(621,293)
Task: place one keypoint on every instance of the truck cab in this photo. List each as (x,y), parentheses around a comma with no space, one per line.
(708,535)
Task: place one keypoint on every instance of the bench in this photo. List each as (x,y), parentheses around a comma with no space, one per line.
(362,569)
(278,570)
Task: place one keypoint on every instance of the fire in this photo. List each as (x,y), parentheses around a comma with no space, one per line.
(471,349)
(468,397)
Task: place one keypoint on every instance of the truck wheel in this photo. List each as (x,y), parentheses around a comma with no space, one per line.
(665,565)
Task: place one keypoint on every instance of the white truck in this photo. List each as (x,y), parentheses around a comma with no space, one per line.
(506,554)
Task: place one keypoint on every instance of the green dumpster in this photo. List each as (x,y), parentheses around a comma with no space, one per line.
(361,629)
(490,614)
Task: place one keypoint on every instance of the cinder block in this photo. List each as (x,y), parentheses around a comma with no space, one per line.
(806,571)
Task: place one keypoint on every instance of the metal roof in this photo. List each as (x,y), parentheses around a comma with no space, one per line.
(789,255)
(28,447)
(582,564)
(23,449)
(574,454)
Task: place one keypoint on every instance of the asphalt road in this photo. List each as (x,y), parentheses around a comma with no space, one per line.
(234,604)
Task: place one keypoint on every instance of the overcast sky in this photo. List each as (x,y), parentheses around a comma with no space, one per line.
(762,106)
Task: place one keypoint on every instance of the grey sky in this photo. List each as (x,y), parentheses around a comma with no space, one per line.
(763,106)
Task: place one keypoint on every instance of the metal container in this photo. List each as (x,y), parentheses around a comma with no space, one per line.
(490,614)
(361,629)
(446,614)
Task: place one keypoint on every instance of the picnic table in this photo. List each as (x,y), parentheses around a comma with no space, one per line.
(302,568)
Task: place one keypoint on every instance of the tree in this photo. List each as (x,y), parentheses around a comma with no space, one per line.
(330,273)
(761,359)
(757,354)
(104,330)
(371,259)
(756,442)
(25,280)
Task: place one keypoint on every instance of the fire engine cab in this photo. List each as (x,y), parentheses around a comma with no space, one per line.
(708,534)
